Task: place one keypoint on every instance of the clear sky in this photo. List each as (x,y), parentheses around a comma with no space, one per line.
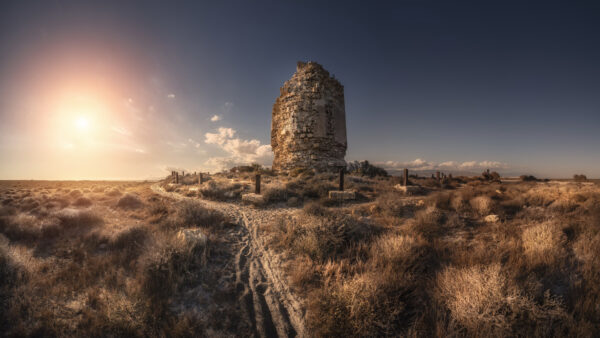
(131,90)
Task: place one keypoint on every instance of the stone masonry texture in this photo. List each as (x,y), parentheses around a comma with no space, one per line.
(308,126)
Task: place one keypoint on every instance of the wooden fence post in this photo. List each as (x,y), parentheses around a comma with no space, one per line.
(342,179)
(437,175)
(257,184)
(405,179)
(176,178)
(201,179)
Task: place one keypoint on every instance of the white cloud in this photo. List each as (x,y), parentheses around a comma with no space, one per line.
(219,138)
(420,164)
(239,151)
(215,118)
(171,96)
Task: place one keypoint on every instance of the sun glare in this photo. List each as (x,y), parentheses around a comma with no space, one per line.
(82,123)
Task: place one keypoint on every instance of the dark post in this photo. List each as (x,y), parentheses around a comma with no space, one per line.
(201,179)
(488,171)
(405,179)
(342,179)
(450,175)
(183,174)
(437,175)
(177,178)
(257,186)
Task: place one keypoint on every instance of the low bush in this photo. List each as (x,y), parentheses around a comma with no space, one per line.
(129,201)
(82,202)
(193,214)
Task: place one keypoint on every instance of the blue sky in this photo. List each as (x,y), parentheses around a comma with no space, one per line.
(128,89)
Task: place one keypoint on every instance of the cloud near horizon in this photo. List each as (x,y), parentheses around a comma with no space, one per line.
(420,164)
(240,151)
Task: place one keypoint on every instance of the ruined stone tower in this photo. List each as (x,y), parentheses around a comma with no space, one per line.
(308,126)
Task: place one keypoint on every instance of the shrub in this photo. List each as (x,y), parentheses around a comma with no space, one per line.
(315,209)
(82,202)
(129,201)
(275,194)
(482,205)
(75,193)
(193,214)
(483,301)
(579,178)
(221,191)
(528,178)
(72,218)
(391,205)
(365,168)
(543,243)
(113,193)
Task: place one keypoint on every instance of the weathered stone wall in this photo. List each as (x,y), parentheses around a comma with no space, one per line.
(308,126)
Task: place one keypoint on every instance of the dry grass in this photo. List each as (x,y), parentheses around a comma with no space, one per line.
(107,266)
(75,262)
(436,268)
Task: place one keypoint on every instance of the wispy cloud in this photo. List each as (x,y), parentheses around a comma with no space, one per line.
(215,118)
(120,130)
(171,96)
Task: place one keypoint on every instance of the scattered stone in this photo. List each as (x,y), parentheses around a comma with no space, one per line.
(492,218)
(342,195)
(308,127)
(252,198)
(408,189)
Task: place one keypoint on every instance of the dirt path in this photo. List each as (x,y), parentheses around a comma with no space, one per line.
(265,298)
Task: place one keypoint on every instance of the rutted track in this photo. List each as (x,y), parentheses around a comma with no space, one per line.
(268,305)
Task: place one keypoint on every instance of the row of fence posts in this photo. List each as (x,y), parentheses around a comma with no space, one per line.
(438,175)
(176,175)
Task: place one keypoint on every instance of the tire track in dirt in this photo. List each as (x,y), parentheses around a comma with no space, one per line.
(268,305)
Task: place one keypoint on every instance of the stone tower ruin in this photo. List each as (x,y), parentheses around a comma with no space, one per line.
(308,126)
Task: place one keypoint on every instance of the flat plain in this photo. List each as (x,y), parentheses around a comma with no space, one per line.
(465,256)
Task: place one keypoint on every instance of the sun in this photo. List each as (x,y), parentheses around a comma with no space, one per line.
(82,123)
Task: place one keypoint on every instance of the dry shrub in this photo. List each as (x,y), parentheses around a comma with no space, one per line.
(391,205)
(193,214)
(587,251)
(389,250)
(320,238)
(75,193)
(98,189)
(379,297)
(129,201)
(315,209)
(543,243)
(483,301)
(82,202)
(167,269)
(21,227)
(440,200)
(276,194)
(220,190)
(73,218)
(428,222)
(302,273)
(128,245)
(113,193)
(482,205)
